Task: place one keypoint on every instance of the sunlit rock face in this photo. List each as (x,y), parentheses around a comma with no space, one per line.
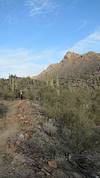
(73,67)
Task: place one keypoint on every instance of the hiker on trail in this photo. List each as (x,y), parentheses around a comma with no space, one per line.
(21,94)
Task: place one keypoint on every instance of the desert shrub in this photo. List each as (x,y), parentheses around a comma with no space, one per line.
(76,110)
(73,110)
(50,128)
(95,106)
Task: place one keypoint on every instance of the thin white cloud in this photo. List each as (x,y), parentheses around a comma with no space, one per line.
(24,62)
(89,43)
(37,7)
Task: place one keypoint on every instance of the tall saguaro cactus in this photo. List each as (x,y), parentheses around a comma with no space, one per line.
(12,82)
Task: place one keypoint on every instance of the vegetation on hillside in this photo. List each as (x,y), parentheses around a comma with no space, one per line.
(74,109)
(54,128)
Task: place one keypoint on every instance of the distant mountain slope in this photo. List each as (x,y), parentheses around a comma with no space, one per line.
(73,66)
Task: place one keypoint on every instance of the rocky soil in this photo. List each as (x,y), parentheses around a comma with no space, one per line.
(31,146)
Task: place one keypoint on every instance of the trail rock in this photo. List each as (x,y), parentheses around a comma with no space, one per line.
(52,164)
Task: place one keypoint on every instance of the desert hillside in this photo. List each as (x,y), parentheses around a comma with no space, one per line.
(30,146)
(50,124)
(74,68)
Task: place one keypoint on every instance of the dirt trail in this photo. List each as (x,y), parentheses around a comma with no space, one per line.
(9,123)
(19,114)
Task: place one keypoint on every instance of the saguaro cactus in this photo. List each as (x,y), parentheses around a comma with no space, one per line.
(12,82)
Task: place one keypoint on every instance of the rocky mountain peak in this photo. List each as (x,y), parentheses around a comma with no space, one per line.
(70,54)
(73,65)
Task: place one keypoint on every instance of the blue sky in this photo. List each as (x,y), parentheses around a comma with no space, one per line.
(36,33)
